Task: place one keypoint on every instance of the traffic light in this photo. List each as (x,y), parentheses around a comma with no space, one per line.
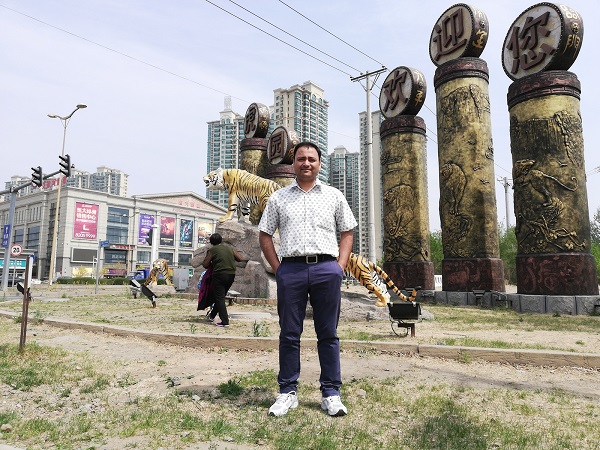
(149,238)
(65,165)
(37,176)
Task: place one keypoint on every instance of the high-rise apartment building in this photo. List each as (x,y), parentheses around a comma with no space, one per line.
(363,219)
(224,137)
(111,181)
(344,175)
(303,108)
(107,180)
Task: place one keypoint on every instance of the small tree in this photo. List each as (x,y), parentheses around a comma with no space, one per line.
(595,228)
(508,253)
(436,251)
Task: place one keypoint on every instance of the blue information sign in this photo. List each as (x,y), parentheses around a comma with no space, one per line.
(104,243)
(5,235)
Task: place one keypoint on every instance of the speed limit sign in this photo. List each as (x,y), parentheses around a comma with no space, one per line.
(16,250)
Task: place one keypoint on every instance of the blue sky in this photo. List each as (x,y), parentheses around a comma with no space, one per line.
(153,73)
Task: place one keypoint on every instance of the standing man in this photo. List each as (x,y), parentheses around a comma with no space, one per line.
(309,215)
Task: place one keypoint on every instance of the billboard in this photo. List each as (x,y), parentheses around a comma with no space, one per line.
(85,225)
(146,222)
(204,232)
(167,230)
(186,231)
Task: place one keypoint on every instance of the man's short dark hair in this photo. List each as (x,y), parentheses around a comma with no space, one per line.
(215,239)
(307,144)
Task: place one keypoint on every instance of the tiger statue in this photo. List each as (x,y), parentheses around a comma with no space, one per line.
(371,276)
(244,189)
(159,266)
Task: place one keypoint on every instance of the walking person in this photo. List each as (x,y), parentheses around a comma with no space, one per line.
(308,215)
(222,258)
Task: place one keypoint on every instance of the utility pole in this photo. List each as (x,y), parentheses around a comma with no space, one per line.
(370,182)
(504,181)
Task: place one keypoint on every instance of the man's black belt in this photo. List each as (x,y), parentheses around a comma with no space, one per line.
(308,259)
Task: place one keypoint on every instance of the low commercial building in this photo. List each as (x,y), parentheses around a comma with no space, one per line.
(114,229)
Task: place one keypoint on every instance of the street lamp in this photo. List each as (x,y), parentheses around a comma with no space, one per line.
(64,121)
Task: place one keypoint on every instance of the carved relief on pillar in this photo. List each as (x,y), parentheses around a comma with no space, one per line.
(467,193)
(405,212)
(548,195)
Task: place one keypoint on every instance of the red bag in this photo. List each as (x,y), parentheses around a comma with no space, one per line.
(203,293)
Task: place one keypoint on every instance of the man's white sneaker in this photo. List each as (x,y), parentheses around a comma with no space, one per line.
(334,406)
(283,404)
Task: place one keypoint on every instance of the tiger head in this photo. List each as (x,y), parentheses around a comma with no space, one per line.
(214,180)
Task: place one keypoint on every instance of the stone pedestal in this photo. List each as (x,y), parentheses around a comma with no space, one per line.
(550,194)
(467,183)
(253,279)
(405,202)
(468,274)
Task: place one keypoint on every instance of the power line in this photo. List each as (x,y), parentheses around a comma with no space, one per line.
(280,40)
(295,37)
(327,31)
(133,58)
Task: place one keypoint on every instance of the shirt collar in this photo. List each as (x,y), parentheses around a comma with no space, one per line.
(317,183)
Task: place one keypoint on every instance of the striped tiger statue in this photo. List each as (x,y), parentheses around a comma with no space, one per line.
(160,266)
(244,189)
(371,276)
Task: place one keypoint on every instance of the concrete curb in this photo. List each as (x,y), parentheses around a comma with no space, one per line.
(508,356)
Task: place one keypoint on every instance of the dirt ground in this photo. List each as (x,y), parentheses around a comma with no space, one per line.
(201,369)
(204,368)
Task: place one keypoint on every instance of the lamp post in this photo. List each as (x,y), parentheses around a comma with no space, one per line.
(64,121)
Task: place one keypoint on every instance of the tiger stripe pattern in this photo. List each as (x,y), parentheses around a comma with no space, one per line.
(160,266)
(371,276)
(244,189)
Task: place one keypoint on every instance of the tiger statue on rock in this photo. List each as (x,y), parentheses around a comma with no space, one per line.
(371,276)
(160,266)
(244,188)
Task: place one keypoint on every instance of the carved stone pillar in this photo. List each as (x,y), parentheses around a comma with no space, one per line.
(467,183)
(253,156)
(282,174)
(550,195)
(405,202)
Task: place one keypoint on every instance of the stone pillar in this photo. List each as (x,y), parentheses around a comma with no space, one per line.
(253,156)
(280,151)
(467,183)
(405,202)
(550,195)
(282,174)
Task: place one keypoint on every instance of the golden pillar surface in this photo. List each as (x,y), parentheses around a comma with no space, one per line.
(253,159)
(405,202)
(550,194)
(467,184)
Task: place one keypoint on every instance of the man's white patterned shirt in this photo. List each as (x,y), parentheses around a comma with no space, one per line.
(308,222)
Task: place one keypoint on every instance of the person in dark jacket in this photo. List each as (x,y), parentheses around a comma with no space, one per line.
(222,258)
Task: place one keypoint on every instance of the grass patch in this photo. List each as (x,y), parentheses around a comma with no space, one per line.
(391,413)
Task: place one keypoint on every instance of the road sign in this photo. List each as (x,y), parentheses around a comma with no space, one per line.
(104,243)
(5,235)
(16,250)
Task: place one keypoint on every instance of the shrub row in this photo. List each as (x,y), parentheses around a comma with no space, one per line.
(107,281)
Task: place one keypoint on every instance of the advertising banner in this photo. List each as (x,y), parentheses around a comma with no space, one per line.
(167,231)
(146,222)
(85,225)
(186,230)
(204,232)
(5,235)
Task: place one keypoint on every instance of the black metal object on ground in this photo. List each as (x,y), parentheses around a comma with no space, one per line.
(400,313)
